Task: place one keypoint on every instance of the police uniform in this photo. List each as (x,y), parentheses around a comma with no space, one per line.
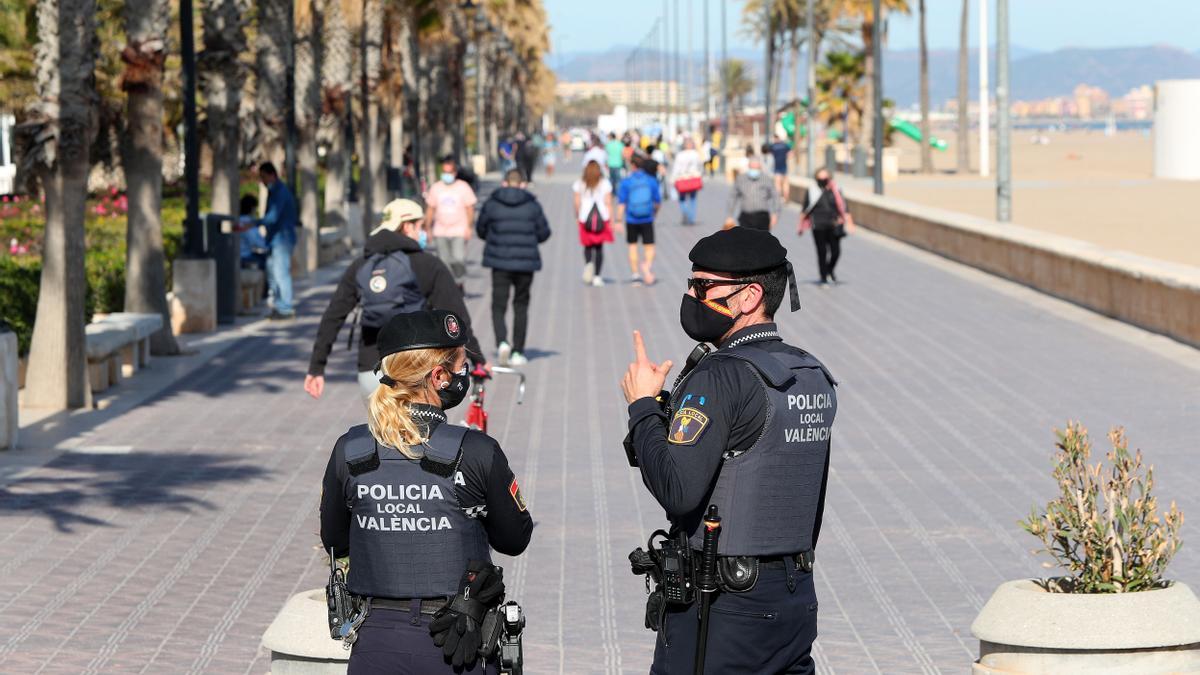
(410,526)
(748,429)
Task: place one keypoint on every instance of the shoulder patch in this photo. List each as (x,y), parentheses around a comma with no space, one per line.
(686,426)
(515,491)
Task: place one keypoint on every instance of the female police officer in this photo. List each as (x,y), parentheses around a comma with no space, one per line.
(416,501)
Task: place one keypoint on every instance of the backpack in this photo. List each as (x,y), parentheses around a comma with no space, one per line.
(641,199)
(593,223)
(387,286)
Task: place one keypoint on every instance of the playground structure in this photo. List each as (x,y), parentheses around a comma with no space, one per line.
(787,125)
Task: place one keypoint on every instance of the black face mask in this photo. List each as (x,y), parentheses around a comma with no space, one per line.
(822,183)
(706,320)
(454,394)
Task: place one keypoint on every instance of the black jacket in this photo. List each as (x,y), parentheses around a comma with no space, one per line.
(513,224)
(434,279)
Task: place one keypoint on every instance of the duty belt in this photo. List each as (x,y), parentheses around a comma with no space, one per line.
(802,560)
(429,606)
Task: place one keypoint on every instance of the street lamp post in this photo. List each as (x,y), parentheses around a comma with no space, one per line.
(810,149)
(479,75)
(193,230)
(1003,129)
(877,36)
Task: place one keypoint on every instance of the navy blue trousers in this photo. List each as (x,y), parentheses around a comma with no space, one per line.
(768,629)
(397,642)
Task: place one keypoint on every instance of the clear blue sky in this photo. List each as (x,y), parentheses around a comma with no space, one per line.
(1043,25)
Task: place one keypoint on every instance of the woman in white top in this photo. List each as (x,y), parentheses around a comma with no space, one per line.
(687,168)
(593,208)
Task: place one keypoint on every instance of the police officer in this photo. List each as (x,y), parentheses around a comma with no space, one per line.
(422,281)
(414,501)
(746,430)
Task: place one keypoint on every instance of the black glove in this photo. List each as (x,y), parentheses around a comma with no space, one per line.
(456,627)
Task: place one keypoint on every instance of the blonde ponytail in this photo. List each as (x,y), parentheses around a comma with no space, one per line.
(388,416)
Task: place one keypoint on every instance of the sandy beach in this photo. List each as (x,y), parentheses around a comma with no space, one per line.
(1081,184)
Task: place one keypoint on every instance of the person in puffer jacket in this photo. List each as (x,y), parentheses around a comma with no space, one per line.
(512,225)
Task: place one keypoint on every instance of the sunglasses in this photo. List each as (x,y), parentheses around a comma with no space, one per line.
(701,286)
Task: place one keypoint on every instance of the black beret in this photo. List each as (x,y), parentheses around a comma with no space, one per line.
(427,329)
(738,250)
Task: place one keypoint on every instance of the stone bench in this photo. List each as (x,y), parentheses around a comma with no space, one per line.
(299,639)
(136,355)
(105,341)
(250,289)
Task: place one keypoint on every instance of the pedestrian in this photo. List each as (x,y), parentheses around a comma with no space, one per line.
(616,158)
(779,154)
(281,221)
(418,504)
(593,208)
(252,245)
(550,158)
(395,274)
(512,225)
(596,153)
(687,176)
(658,153)
(747,430)
(451,211)
(826,215)
(640,198)
(754,200)
(507,157)
(526,152)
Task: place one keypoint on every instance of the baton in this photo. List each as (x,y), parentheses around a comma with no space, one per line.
(707,583)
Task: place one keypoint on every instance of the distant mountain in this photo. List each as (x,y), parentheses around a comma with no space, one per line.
(1035,75)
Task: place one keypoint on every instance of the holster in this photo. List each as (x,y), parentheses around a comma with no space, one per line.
(737,574)
(490,631)
(656,607)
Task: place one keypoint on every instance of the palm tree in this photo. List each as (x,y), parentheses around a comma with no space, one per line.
(862,12)
(273,42)
(337,74)
(926,132)
(146,26)
(222,76)
(840,91)
(964,123)
(16,55)
(733,83)
(308,116)
(55,140)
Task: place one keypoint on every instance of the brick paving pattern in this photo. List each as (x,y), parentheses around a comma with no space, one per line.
(168,541)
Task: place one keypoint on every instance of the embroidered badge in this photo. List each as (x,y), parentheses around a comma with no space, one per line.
(687,426)
(378,284)
(452,327)
(515,491)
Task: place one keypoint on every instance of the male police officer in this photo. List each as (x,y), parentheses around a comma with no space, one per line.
(746,430)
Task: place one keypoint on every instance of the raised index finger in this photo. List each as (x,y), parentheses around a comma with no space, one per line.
(639,347)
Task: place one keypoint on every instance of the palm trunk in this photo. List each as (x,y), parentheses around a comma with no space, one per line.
(372,147)
(222,76)
(409,75)
(964,83)
(926,148)
(271,59)
(337,72)
(867,124)
(146,25)
(57,138)
(308,114)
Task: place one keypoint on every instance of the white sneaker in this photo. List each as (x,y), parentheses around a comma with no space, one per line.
(589,273)
(597,281)
(504,353)
(518,359)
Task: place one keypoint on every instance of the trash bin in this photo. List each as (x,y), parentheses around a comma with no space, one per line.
(224,247)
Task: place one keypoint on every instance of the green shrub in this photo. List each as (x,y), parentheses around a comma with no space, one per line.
(1105,528)
(19,279)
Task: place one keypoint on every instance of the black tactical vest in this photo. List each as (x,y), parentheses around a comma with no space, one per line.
(768,495)
(409,538)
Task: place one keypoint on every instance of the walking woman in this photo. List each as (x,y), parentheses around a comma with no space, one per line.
(826,215)
(687,177)
(593,208)
(417,503)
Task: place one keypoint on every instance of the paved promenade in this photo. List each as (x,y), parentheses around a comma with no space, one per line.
(168,538)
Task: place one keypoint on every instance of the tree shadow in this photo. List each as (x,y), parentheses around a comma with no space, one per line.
(65,489)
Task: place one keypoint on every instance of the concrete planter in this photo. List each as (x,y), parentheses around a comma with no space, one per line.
(1023,629)
(299,638)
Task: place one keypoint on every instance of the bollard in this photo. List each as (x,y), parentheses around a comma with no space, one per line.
(860,162)
(830,159)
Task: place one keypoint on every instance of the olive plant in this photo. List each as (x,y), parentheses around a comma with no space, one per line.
(1104,528)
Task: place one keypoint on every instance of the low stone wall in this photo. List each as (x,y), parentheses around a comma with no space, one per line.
(1156,295)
